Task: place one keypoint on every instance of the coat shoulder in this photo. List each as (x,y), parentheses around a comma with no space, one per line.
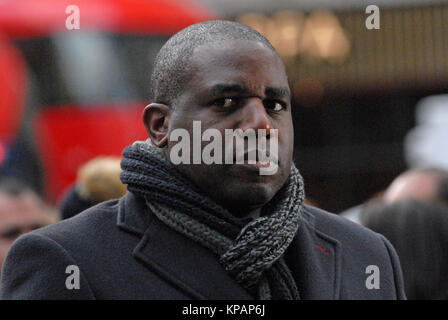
(93,220)
(359,249)
(36,264)
(340,228)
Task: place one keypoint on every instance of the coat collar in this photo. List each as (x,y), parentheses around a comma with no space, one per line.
(313,257)
(180,261)
(133,214)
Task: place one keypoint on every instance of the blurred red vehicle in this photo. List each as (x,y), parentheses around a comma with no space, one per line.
(85,88)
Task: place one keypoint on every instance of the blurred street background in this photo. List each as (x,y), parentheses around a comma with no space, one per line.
(368,104)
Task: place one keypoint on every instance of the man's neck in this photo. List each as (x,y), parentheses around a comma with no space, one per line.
(252,215)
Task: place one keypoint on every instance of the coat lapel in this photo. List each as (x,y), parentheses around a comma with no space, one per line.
(178,260)
(314,260)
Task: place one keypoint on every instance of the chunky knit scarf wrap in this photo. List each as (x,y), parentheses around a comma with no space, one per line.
(250,251)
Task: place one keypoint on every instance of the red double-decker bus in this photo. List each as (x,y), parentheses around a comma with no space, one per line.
(68,95)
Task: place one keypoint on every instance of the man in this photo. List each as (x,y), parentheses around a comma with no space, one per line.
(429,184)
(21,211)
(207,231)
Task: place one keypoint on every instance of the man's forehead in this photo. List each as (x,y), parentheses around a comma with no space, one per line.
(231,43)
(232,49)
(238,65)
(19,208)
(218,89)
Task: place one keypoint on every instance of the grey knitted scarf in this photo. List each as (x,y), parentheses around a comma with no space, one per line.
(251,252)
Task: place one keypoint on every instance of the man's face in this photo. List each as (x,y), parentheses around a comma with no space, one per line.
(237,85)
(18,215)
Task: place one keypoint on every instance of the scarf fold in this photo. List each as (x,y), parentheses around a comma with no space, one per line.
(250,252)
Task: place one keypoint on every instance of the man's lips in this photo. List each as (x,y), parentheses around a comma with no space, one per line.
(261,164)
(265,161)
(266,155)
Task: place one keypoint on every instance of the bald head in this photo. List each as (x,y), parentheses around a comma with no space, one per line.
(173,69)
(423,184)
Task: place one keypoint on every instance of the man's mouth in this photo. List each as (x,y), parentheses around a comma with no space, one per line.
(260,164)
(259,160)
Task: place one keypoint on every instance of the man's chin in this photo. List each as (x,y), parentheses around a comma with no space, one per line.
(235,186)
(252,173)
(247,197)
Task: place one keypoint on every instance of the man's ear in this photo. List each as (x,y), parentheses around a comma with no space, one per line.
(155,118)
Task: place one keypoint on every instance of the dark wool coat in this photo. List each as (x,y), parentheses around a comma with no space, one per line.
(123,251)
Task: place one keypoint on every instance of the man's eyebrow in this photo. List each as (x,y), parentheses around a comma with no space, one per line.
(222,89)
(272,92)
(277,92)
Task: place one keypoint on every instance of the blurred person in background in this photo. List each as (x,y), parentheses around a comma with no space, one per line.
(426,145)
(429,184)
(21,210)
(425,148)
(98,180)
(418,230)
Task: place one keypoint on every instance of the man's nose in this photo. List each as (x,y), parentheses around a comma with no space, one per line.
(255,117)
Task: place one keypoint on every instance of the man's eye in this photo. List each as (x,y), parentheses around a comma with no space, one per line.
(225,102)
(274,105)
(10,233)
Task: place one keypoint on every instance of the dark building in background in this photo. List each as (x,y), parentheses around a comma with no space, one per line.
(355,91)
